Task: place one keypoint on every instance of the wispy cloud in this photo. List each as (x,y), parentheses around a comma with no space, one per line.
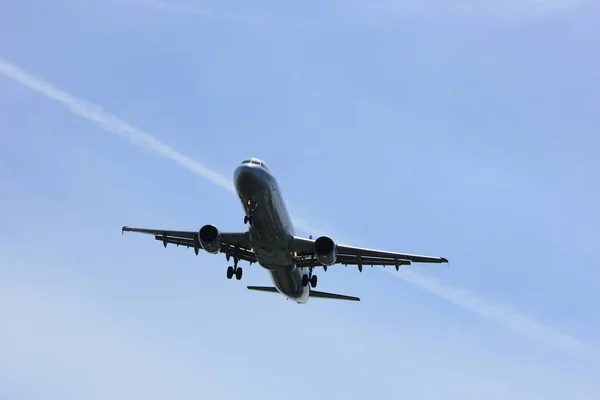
(390,9)
(196,11)
(498,314)
(119,355)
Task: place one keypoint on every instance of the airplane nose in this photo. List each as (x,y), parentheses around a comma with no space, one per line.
(243,171)
(246,177)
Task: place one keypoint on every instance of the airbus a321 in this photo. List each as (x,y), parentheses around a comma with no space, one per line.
(271,241)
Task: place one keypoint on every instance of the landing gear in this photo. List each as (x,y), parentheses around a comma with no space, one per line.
(235,270)
(310,278)
(251,207)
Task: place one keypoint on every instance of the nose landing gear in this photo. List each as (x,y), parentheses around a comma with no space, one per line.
(251,207)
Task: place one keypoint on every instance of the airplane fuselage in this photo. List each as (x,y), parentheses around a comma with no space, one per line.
(271,229)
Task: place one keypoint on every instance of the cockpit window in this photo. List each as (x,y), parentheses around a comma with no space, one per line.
(256,161)
(262,164)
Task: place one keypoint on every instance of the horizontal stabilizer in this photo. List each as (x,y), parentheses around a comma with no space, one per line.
(325,295)
(264,289)
(312,293)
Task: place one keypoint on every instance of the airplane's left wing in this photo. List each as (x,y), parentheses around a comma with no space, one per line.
(231,242)
(351,255)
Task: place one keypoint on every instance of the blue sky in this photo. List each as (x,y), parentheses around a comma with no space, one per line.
(462,129)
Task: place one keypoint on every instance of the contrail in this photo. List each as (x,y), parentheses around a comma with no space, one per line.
(111,123)
(500,315)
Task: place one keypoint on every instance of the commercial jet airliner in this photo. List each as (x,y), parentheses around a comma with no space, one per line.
(271,241)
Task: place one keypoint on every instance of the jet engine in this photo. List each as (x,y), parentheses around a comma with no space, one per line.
(210,238)
(325,250)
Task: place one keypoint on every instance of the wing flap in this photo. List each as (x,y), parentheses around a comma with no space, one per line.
(242,254)
(351,250)
(175,234)
(175,240)
(353,260)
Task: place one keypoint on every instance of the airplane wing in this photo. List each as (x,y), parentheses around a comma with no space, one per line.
(350,255)
(231,242)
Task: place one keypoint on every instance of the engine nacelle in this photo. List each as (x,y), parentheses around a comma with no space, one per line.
(210,238)
(325,250)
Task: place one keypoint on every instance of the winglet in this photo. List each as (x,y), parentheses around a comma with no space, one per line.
(444,260)
(123,229)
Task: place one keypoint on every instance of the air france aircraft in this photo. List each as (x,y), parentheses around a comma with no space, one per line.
(271,241)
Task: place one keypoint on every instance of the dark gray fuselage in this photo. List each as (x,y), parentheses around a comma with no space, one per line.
(271,230)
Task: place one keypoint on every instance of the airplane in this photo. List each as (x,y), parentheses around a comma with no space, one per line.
(271,241)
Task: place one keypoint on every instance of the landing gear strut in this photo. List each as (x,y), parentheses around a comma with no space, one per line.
(251,207)
(309,278)
(235,270)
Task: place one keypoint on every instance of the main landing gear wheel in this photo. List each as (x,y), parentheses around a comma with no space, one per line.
(234,270)
(237,271)
(248,219)
(312,280)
